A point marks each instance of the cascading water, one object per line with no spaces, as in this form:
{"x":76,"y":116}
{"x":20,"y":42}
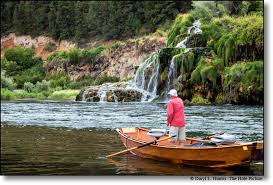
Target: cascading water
{"x":146,"y":79}
{"x":102,"y":94}
{"x":147,"y":84}
{"x":193,"y":30}
{"x":171,"y":75}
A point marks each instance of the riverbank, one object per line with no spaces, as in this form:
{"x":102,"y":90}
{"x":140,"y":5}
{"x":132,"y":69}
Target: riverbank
{"x":67,"y":94}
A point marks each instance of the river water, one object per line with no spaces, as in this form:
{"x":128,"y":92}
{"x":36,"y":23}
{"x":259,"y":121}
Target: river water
{"x":72,"y":138}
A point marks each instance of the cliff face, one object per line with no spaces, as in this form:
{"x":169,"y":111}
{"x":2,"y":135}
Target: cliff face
{"x":42,"y":45}
{"x":120,"y":61}
{"x":124,"y":60}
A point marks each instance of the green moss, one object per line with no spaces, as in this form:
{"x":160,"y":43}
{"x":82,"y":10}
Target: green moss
{"x":181,"y":24}
{"x":220,"y":99}
{"x":237,"y":38}
{"x":245,"y":74}
{"x":197,"y":99}
{"x":207,"y":70}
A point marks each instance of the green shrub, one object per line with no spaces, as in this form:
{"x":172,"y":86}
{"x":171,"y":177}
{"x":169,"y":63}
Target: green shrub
{"x":220,"y":99}
{"x":7,"y":82}
{"x":75,"y":55}
{"x":11,"y":67}
{"x":22,"y":56}
{"x":199,"y":100}
{"x":6,"y":94}
{"x":33,"y":75}
{"x":42,"y":86}
{"x":29,"y":87}
{"x":206,"y":10}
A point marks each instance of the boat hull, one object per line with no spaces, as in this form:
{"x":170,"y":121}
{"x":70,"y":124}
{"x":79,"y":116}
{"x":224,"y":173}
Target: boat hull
{"x":208,"y":156}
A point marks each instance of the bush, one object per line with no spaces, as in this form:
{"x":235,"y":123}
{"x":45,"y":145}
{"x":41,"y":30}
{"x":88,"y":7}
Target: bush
{"x":10,"y":67}
{"x":7,"y":82}
{"x":75,"y":56}
{"x":42,"y":86}
{"x":33,"y":75}
{"x":220,"y":99}
{"x":83,"y":82}
{"x":29,"y":87}
{"x":199,"y":100}
{"x":22,"y":56}
{"x":206,"y":10}
{"x":6,"y":94}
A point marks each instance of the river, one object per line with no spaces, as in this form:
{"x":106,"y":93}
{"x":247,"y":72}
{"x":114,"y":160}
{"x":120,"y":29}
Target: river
{"x":72,"y":138}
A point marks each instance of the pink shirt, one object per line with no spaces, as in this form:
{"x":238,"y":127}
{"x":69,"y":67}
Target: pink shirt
{"x":175,"y":112}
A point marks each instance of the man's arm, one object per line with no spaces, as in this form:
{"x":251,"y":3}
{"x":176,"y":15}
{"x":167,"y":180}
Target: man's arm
{"x":169,"y":113}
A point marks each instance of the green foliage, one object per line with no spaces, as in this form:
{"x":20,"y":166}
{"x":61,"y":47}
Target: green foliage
{"x":220,"y":99}
{"x":33,"y":75}
{"x":7,"y":82}
{"x":75,"y":20}
{"x":75,"y":56}
{"x":181,"y":24}
{"x":244,"y":74}
{"x":197,"y":99}
{"x":83,"y":82}
{"x":10,"y":67}
{"x":207,"y":10}
{"x":67,"y":94}
{"x":236,"y":39}
{"x":21,"y":64}
{"x":29,"y":87}
{"x":207,"y":70}
{"x":42,"y":86}
{"x":104,"y":78}
{"x":6,"y":94}
{"x":22,"y":56}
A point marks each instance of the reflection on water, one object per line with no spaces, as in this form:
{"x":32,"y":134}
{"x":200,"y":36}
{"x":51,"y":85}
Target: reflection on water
{"x":36,"y":150}
{"x":72,"y":138}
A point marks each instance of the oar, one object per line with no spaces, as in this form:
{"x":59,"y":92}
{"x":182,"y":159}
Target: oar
{"x":146,"y":144}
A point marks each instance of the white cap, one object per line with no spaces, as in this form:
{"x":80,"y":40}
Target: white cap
{"x":173,"y":92}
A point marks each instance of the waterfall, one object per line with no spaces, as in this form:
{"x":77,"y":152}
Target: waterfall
{"x":102,"y":94}
{"x":171,"y":75}
{"x":147,"y":83}
{"x":114,"y":95}
{"x":193,"y":30}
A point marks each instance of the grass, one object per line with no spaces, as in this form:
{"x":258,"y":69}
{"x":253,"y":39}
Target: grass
{"x":68,"y":94}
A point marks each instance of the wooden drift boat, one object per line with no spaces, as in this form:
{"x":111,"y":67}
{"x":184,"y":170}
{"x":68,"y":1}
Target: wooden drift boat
{"x":208,"y":156}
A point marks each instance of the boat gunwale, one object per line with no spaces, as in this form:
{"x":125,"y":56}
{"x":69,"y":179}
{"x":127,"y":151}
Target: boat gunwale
{"x":187,"y":147}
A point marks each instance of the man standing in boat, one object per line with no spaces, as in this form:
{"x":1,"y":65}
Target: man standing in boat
{"x":176,"y":117}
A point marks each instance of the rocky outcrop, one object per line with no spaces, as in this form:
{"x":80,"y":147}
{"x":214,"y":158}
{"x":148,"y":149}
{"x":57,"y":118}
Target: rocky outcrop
{"x":124,"y":60}
{"x":110,"y":92}
{"x":42,"y":45}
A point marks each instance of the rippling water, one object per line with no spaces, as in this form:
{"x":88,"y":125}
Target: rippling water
{"x":63,"y":138}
